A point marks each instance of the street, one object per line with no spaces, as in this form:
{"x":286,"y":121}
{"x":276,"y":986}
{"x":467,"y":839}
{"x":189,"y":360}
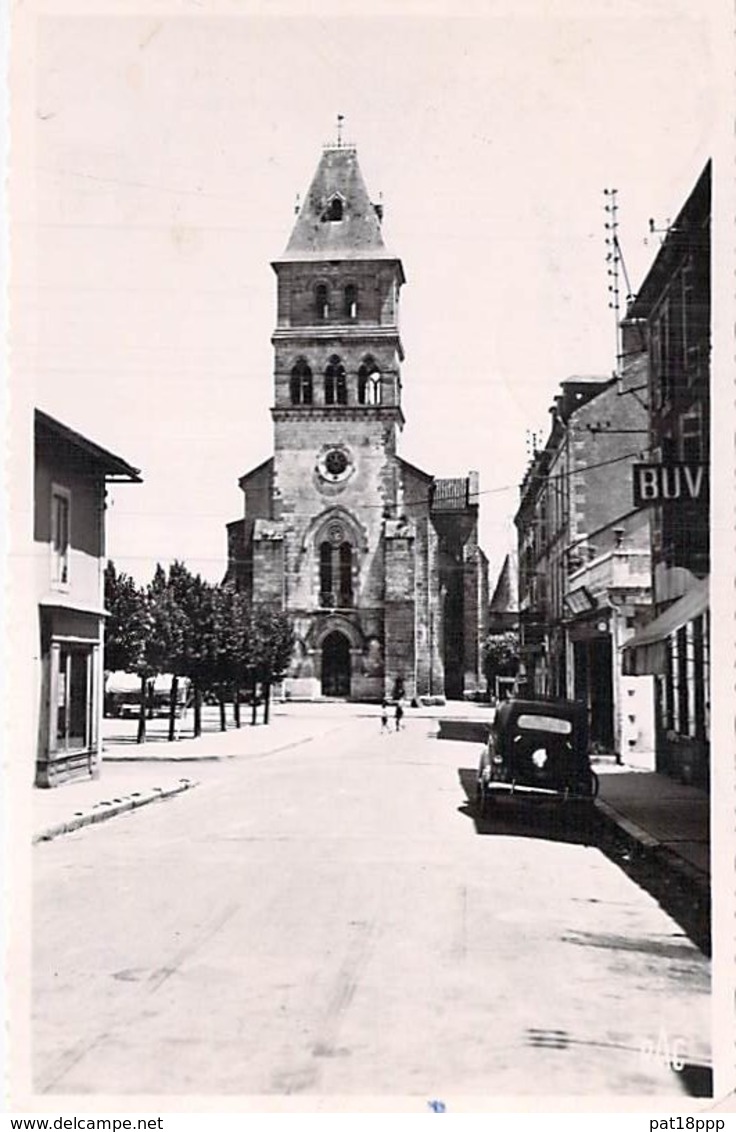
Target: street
{"x":330,"y":919}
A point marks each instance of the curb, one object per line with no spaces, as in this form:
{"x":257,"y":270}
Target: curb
{"x":634,"y":831}
{"x":105,"y":810}
{"x":666,"y":856}
{"x":249,"y":755}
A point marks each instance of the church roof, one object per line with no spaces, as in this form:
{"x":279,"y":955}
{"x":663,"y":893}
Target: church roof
{"x":337,"y":219}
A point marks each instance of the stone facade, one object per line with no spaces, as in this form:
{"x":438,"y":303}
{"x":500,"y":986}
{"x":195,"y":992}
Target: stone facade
{"x":376,"y":561}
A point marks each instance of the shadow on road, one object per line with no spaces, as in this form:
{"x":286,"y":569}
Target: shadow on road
{"x":687,"y":902}
{"x":572,"y":823}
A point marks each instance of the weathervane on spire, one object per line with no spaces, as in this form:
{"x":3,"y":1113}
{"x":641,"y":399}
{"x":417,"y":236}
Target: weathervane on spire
{"x":340,"y":120}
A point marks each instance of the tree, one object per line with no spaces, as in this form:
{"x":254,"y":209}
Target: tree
{"x":500,"y":656}
{"x":230,"y":634}
{"x":270,"y":646}
{"x":167,"y":637}
{"x":124,"y":625}
{"x":236,"y":643}
{"x":127,"y":632}
{"x":197,"y":647}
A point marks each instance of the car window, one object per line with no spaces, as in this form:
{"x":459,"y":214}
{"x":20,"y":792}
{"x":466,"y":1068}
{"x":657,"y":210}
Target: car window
{"x":544,"y":723}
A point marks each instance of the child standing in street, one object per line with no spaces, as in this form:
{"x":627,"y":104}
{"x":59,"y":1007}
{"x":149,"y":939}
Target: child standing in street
{"x":384,"y":717}
{"x":399,"y":714}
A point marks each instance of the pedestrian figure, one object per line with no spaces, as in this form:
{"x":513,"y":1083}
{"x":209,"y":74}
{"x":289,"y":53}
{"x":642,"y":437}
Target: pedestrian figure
{"x":399,"y":714}
{"x":384,"y":717}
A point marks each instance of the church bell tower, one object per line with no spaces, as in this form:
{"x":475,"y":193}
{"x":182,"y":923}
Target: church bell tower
{"x":366,"y":552}
{"x":336,"y":413}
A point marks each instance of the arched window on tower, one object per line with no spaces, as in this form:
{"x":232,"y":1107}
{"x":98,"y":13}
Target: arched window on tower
{"x":300,"y":386}
{"x":369,"y":383}
{"x":321,"y":302}
{"x":346,"y":574}
{"x":336,"y":388}
{"x":336,"y":573}
{"x":351,"y":301}
{"x":325,"y":574}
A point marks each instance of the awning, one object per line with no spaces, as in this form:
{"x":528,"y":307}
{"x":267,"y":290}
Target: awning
{"x":645,"y":652}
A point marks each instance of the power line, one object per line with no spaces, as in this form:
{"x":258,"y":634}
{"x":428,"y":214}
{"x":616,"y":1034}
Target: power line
{"x":423,"y":501}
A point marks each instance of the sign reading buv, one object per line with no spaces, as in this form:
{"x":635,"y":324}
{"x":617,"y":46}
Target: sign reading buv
{"x":670,"y":483}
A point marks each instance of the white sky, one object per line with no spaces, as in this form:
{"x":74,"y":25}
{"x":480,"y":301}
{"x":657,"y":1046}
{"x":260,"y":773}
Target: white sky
{"x":166,"y":155}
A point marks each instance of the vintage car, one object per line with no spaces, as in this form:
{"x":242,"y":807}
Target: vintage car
{"x":537,"y":750}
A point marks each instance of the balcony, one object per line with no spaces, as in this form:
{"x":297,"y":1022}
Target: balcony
{"x":615,"y":570}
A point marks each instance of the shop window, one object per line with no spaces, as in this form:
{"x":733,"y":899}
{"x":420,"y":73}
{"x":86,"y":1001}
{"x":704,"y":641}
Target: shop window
{"x":300,"y":386}
{"x":336,"y":390}
{"x":60,"y":534}
{"x":706,"y":676}
{"x":71,"y":703}
{"x":699,"y":677}
{"x":682,"y":683}
{"x":670,"y":699}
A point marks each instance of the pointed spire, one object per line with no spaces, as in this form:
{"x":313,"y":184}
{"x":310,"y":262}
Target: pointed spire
{"x":336,"y":219}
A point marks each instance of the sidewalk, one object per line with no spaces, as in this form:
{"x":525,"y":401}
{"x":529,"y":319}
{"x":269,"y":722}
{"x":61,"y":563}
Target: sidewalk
{"x":660,"y":814}
{"x":134,"y":775}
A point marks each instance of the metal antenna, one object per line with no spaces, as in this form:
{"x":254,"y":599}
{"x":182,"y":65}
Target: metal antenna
{"x":613,"y":258}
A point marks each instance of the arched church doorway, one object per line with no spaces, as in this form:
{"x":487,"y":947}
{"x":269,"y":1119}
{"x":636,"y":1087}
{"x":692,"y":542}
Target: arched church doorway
{"x":336,"y":665}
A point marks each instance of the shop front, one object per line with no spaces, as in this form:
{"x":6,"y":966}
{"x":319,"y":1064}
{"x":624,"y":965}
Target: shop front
{"x":675,"y":649}
{"x":70,"y":656}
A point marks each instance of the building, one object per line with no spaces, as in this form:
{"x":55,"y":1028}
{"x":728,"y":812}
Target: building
{"x":376,"y":560}
{"x":70,"y":474}
{"x":584,"y":557}
{"x":549,"y":519}
{"x":672,"y":488}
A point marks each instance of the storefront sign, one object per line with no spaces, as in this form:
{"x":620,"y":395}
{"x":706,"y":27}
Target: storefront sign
{"x":579,"y":601}
{"x":670,"y":483}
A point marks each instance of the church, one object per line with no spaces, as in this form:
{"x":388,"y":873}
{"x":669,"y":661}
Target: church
{"x":376,"y":561}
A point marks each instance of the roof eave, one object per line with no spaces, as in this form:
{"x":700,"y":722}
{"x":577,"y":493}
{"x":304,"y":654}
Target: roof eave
{"x":114,"y":468}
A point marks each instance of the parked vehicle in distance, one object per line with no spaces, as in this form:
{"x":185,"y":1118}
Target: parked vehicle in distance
{"x":537,"y":750}
{"x":123,"y":695}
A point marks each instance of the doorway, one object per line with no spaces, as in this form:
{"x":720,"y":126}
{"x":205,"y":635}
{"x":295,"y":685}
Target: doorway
{"x":336,"y":665}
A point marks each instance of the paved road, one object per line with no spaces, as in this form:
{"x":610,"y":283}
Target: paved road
{"x":330,"y":920}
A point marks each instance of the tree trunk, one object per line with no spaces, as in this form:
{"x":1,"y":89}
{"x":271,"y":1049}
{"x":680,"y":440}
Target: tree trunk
{"x":266,"y":700}
{"x":236,"y":705}
{"x":140,"y":738}
{"x":221,"y":698}
{"x":173,"y":697}
{"x":197,"y":711}
{"x":254,"y":704}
